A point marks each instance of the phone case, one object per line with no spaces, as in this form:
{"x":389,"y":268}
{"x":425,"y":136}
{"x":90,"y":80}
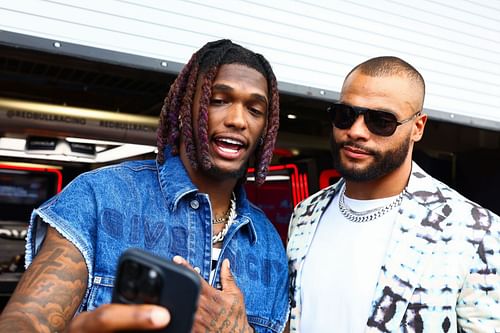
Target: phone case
{"x":144,"y":278}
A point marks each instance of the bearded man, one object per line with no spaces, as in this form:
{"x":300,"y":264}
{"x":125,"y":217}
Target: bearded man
{"x":389,"y":248}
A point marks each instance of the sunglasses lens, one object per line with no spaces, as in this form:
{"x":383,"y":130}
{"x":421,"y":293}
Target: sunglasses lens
{"x":381,"y":123}
{"x":342,"y":116}
{"x":378,"y":122}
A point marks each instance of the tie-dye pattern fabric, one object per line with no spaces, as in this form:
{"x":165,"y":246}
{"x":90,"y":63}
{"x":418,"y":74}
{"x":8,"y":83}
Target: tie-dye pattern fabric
{"x":442,"y":270}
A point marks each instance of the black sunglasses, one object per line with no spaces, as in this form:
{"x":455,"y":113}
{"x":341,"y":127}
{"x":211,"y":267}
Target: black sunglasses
{"x":381,"y":123}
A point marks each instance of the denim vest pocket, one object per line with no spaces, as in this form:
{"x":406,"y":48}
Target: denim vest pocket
{"x":100,"y":292}
{"x":262,"y":324}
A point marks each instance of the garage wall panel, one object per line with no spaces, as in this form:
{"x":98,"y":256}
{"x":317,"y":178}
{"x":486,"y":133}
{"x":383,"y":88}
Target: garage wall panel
{"x":311,"y":44}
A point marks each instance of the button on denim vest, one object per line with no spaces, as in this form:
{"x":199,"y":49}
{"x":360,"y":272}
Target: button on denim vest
{"x":157,"y":208}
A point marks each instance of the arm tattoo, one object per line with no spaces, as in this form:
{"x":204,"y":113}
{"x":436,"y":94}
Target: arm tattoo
{"x":50,"y":291}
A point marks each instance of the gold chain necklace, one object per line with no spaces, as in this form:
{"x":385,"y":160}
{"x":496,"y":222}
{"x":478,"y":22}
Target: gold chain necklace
{"x":221,"y":219}
{"x":231,"y":215}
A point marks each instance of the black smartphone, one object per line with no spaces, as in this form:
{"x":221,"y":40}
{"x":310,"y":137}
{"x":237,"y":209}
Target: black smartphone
{"x":144,"y":278}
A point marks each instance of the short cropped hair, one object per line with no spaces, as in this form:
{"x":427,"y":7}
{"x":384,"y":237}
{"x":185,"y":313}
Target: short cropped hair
{"x":389,"y":66}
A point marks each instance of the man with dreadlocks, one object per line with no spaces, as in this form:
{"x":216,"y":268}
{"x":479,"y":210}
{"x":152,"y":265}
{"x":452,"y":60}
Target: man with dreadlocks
{"x":189,"y":205}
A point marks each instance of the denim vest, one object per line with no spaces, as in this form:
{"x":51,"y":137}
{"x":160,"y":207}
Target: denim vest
{"x":157,"y":208}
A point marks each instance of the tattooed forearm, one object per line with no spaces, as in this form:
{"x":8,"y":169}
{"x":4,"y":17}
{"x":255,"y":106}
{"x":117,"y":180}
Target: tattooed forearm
{"x":50,"y":291}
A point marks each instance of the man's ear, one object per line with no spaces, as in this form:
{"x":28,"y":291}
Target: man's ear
{"x":418,"y":127}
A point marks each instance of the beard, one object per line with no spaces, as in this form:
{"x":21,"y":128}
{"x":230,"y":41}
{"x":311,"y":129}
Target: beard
{"x":221,"y":174}
{"x":383,"y":164}
{"x":212,"y":170}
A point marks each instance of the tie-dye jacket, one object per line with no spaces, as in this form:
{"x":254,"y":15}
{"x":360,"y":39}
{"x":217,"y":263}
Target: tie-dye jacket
{"x":442,"y":268}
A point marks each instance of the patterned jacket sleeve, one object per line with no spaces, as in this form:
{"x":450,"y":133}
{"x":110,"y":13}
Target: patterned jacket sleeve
{"x":478,"y":304}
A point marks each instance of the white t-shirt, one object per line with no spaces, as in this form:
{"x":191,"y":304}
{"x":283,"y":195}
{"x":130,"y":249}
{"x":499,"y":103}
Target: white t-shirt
{"x":215,"y":258}
{"x":342,"y":266}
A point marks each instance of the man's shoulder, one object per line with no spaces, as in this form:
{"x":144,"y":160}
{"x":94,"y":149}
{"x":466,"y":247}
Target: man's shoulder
{"x":322,"y":196}
{"x":117,"y":170}
{"x":104,"y":178}
{"x":258,"y":216}
{"x":424,"y":187}
{"x":307,"y":213}
{"x":443,"y":199}
{"x":128,"y":166}
{"x":256,"y":211}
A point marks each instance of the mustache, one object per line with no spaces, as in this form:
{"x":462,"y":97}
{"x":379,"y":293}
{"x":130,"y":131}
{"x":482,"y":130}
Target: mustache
{"x":356,"y":145}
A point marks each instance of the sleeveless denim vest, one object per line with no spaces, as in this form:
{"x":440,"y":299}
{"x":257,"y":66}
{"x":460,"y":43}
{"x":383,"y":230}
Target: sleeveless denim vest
{"x":157,"y":208}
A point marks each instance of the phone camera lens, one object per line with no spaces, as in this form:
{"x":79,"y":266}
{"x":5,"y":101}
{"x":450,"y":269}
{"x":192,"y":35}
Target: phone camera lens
{"x":128,"y":289}
{"x":131,"y":269}
{"x":151,"y":287}
{"x":128,"y":284}
{"x":153,"y":275}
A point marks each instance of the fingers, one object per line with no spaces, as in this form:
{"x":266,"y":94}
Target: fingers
{"x":226,"y":277}
{"x":183,"y":262}
{"x":114,"y":317}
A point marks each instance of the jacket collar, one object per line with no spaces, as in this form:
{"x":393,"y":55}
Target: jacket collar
{"x":174,"y":179}
{"x":175,"y":184}
{"x":422,"y":189}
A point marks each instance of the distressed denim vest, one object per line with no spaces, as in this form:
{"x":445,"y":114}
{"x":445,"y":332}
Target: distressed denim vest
{"x":157,"y":208}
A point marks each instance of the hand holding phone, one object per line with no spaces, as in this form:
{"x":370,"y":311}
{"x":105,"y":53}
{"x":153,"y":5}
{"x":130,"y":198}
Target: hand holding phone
{"x":220,"y":310}
{"x":144,"y":278}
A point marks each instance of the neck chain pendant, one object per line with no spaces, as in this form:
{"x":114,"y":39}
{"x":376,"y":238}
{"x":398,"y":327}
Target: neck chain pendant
{"x":231,"y":215}
{"x":367,"y":215}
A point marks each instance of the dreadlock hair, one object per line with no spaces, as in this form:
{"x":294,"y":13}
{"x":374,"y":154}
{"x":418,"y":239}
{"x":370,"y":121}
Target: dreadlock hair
{"x":176,"y":113}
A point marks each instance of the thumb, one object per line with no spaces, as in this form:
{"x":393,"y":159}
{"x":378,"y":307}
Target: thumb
{"x":227,"y":278}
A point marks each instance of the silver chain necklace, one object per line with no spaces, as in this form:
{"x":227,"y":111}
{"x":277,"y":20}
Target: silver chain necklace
{"x":366,"y":215}
{"x":230,"y":220}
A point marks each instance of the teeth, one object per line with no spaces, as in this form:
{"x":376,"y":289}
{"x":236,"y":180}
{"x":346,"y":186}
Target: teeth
{"x":231,"y":141}
{"x":227,"y":150}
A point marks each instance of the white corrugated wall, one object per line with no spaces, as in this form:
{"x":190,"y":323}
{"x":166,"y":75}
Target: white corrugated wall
{"x":455,"y":44}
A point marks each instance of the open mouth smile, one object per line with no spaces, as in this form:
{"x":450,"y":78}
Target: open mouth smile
{"x":229,"y":147}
